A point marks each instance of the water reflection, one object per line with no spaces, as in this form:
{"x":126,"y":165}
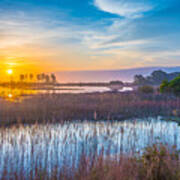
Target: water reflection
{"x":25,"y":149}
{"x":18,"y":94}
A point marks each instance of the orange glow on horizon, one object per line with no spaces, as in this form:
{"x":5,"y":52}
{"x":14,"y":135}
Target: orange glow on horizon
{"x":15,"y":68}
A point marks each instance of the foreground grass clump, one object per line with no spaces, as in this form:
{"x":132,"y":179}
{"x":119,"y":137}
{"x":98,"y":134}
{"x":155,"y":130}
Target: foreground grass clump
{"x":95,"y":106}
{"x":156,"y":163}
{"x":86,"y":149}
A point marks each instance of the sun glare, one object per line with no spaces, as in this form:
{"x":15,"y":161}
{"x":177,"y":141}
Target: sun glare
{"x":10,"y":95}
{"x":10,"y":71}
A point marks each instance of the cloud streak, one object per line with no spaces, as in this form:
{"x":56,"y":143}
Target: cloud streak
{"x":109,"y":42}
{"x":128,"y":8}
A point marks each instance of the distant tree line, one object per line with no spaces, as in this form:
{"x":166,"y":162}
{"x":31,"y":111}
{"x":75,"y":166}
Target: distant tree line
{"x":155,"y":78}
{"x":46,"y":78}
{"x":116,"y":83}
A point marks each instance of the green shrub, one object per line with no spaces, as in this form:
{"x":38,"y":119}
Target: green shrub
{"x":164,"y":87}
{"x":172,"y":86}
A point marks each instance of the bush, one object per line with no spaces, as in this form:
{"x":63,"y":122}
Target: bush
{"x":175,"y":85}
{"x":172,"y":86}
{"x":164,"y":87}
{"x":157,"y":163}
{"x":146,"y":89}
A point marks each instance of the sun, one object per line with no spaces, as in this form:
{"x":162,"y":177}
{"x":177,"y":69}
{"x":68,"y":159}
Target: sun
{"x":10,"y":95}
{"x":10,"y":71}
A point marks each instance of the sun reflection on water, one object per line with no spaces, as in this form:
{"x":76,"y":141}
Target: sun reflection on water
{"x":15,"y":94}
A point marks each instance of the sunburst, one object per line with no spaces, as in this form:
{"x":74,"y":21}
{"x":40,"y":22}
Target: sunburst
{"x":10,"y":71}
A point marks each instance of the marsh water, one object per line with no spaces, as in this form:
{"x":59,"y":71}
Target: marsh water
{"x":46,"y":147}
{"x":15,"y":94}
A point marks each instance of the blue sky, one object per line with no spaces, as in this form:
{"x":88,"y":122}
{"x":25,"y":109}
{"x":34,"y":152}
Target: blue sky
{"x":90,"y":34}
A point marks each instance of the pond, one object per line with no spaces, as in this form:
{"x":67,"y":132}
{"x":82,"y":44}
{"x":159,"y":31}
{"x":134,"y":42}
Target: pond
{"x":27,"y":148}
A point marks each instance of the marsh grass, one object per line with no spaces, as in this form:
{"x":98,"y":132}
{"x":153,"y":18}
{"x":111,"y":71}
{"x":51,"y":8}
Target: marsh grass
{"x":52,"y":108}
{"x":86,"y":150}
{"x":48,"y":137}
{"x":158,"y":162}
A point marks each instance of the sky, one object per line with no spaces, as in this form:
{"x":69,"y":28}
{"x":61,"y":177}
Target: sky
{"x":60,"y":35}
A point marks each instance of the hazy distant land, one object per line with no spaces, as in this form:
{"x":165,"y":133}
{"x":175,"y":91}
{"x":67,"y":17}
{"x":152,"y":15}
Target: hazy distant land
{"x":125,"y":75}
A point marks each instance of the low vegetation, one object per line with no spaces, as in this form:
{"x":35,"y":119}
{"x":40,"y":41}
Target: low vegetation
{"x":158,"y":162}
{"x":41,"y":152}
{"x":46,"y":108}
{"x":146,"y":89}
{"x":171,"y":86}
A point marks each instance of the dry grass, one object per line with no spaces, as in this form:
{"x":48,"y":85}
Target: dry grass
{"x":156,"y":163}
{"x":89,"y":150}
{"x":22,"y":147}
{"x":95,"y":106}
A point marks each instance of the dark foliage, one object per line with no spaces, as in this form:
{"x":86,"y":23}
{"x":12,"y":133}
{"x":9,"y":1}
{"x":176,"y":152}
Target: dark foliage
{"x":155,"y":78}
{"x":172,"y":86}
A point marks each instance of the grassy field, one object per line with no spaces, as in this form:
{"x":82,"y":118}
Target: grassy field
{"x":95,"y":106}
{"x":31,"y":151}
{"x":158,"y":162}
{"x":88,"y":150}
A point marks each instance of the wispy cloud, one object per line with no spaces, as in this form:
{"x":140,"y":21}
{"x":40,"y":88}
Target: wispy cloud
{"x":128,"y":8}
{"x":109,"y":42}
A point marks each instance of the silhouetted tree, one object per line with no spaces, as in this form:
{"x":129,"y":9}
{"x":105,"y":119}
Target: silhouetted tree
{"x":47,"y":78}
{"x":21,"y":77}
{"x":38,"y":77}
{"x":53,"y":77}
{"x":117,"y":82}
{"x":139,"y":80}
{"x":156,"y":78}
{"x":26,"y":77}
{"x":31,"y":76}
{"x":43,"y":75}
